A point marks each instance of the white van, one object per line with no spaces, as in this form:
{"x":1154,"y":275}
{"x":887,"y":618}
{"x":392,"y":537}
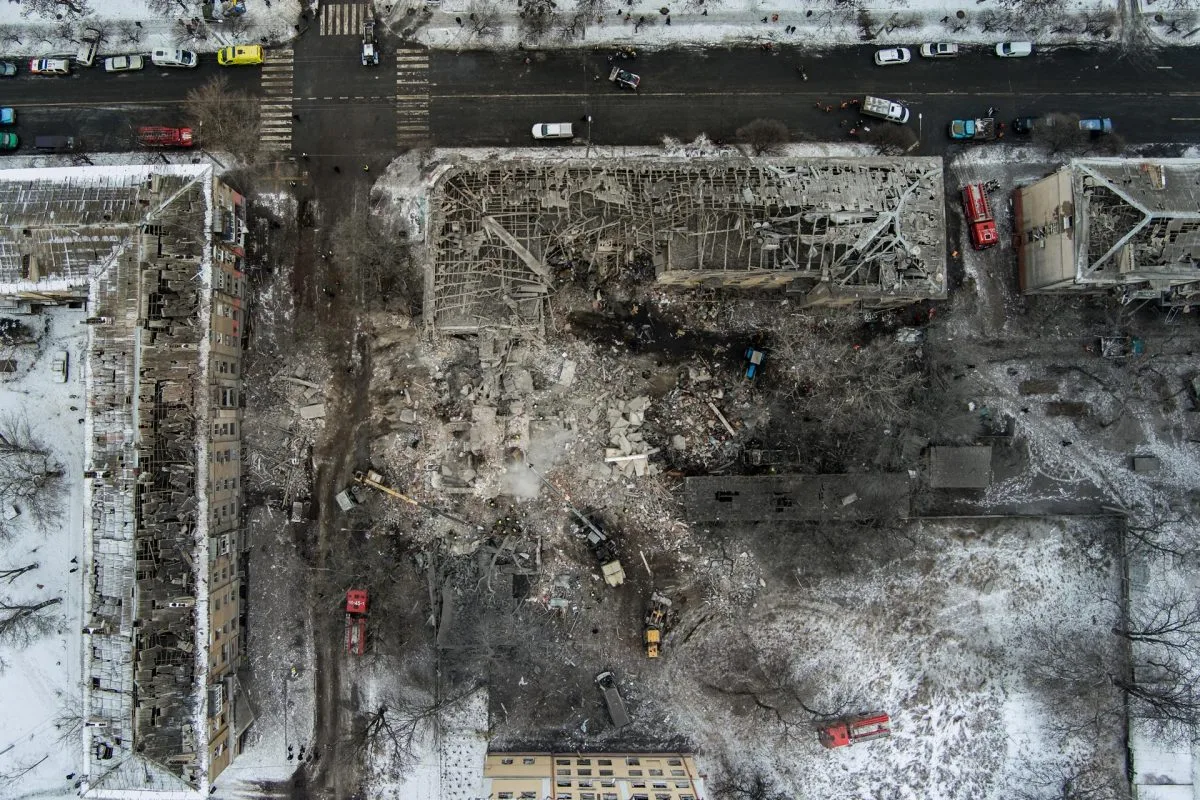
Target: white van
{"x":174,"y":58}
{"x":89,"y":44}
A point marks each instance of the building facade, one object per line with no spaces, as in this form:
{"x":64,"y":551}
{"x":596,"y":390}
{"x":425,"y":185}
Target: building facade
{"x":154,"y":259}
{"x":592,"y":776}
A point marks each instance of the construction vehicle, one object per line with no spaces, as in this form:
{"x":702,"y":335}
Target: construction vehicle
{"x":347,"y":498}
{"x":980,"y":222}
{"x":754,"y":360}
{"x":656,"y":624}
{"x":607,"y":682}
{"x":855,"y":729}
{"x":370,"y":50}
{"x":599,"y":542}
{"x":978,"y":129}
{"x":356,"y":621}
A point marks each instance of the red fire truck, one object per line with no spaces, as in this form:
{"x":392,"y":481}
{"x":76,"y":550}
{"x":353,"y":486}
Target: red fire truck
{"x":356,"y":621}
{"x":159,"y":136}
{"x":856,"y":729}
{"x":980,"y":223}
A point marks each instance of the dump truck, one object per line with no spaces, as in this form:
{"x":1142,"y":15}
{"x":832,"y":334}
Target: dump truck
{"x":980,"y":223}
{"x":604,"y":549}
{"x":656,"y":624}
{"x":356,"y":621}
{"x":885,"y":109}
{"x":855,"y":729}
{"x":979,"y":129}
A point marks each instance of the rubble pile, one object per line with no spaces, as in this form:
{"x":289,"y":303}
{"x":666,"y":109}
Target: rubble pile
{"x":629,"y":453}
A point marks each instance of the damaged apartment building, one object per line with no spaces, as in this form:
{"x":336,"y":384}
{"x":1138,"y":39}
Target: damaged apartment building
{"x":153,"y":258}
{"x":867,"y":232}
{"x":1129,"y":225}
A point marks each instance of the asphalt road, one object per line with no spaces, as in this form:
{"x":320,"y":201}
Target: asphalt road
{"x":345,"y":112}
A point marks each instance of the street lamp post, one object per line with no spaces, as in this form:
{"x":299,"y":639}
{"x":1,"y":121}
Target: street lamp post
{"x":920,"y":128}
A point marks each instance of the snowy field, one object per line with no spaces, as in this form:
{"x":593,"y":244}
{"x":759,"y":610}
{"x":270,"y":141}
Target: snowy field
{"x":944,"y":625}
{"x":40,"y":682}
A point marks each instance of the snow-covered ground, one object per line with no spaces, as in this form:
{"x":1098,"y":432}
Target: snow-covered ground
{"x":39,"y":684}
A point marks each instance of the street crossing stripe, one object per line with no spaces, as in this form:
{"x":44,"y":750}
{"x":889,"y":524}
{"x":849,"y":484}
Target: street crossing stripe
{"x":343,"y":19}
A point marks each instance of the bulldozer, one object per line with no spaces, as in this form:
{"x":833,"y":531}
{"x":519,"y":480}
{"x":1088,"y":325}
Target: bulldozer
{"x":656,"y":624}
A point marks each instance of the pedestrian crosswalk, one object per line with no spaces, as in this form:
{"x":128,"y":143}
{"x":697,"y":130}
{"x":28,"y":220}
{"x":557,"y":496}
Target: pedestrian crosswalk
{"x":412,"y":97}
{"x":276,"y":100}
{"x":343,"y":19}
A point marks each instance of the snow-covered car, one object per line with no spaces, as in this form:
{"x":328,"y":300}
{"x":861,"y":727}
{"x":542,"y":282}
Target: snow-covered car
{"x":8,"y":116}
{"x":553,"y":130}
{"x":89,"y":45}
{"x":174,"y":58}
{"x":123,"y":63}
{"x":939,"y":50}
{"x":7,"y":69}
{"x":624,"y":78}
{"x":1014,"y":49}
{"x":50,"y":66}
{"x":892,"y":55}
{"x":58,"y":366}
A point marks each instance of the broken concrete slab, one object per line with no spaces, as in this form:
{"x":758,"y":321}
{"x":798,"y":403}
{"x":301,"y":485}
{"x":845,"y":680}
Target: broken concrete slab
{"x":314,"y":411}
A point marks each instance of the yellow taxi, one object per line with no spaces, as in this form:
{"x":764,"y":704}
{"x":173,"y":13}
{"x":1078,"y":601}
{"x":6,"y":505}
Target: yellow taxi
{"x":240,"y":55}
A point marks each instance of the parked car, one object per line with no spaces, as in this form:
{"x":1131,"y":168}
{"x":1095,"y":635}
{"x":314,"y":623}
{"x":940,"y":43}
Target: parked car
{"x":554,"y":130}
{"x":1023,"y":125}
{"x":1014,"y":49}
{"x":174,"y":58}
{"x":50,"y":66}
{"x":241,"y":55}
{"x":8,"y":116}
{"x":123,"y":63}
{"x":939,"y":50}
{"x":1097,"y":126}
{"x":8,"y":141}
{"x":58,"y":366}
{"x":624,"y":78}
{"x":7,"y":69}
{"x":892,"y":55}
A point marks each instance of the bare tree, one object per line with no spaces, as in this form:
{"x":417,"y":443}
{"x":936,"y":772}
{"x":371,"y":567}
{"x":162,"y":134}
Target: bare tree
{"x":20,"y":623}
{"x":1163,"y":681}
{"x":538,"y":17}
{"x":764,"y":136}
{"x":573,"y":26}
{"x":483,"y":18}
{"x":397,"y":724}
{"x":10,"y":36}
{"x":226,"y":117}
{"x":27,"y":467}
{"x":56,"y":8}
{"x":374,"y":259}
{"x":744,"y":784}
{"x":130,"y":32}
{"x":1071,"y":780}
{"x":891,"y":140}
{"x":169,"y":7}
{"x":1059,"y":133}
{"x":12,"y":573}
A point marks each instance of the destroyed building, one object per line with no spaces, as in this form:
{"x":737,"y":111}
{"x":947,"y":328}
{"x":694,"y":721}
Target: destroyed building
{"x":153,"y":258}
{"x":830,"y":231}
{"x":1126,"y":224}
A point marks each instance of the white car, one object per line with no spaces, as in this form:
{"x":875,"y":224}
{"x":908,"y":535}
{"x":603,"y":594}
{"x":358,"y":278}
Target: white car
{"x":939,"y":50}
{"x":50,"y":66}
{"x":58,"y":366}
{"x":892,"y":55}
{"x":123,"y":63}
{"x":1014,"y":49}
{"x":553,"y":130}
{"x":174,"y":58}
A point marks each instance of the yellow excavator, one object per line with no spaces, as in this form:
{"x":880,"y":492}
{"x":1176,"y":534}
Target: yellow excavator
{"x":656,"y":624}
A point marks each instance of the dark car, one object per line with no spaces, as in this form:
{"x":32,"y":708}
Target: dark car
{"x":1024,"y":125}
{"x":7,"y":69}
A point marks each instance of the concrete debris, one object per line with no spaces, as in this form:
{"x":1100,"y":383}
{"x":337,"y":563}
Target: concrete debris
{"x":629,"y":453}
{"x":408,"y":416}
{"x":314,"y":411}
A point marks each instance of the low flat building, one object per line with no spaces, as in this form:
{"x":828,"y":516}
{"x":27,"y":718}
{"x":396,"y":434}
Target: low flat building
{"x":1130,"y":225}
{"x":798,"y":498}
{"x":152,"y":256}
{"x":592,"y":776}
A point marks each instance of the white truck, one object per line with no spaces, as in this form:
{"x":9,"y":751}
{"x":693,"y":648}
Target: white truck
{"x":885,"y":109}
